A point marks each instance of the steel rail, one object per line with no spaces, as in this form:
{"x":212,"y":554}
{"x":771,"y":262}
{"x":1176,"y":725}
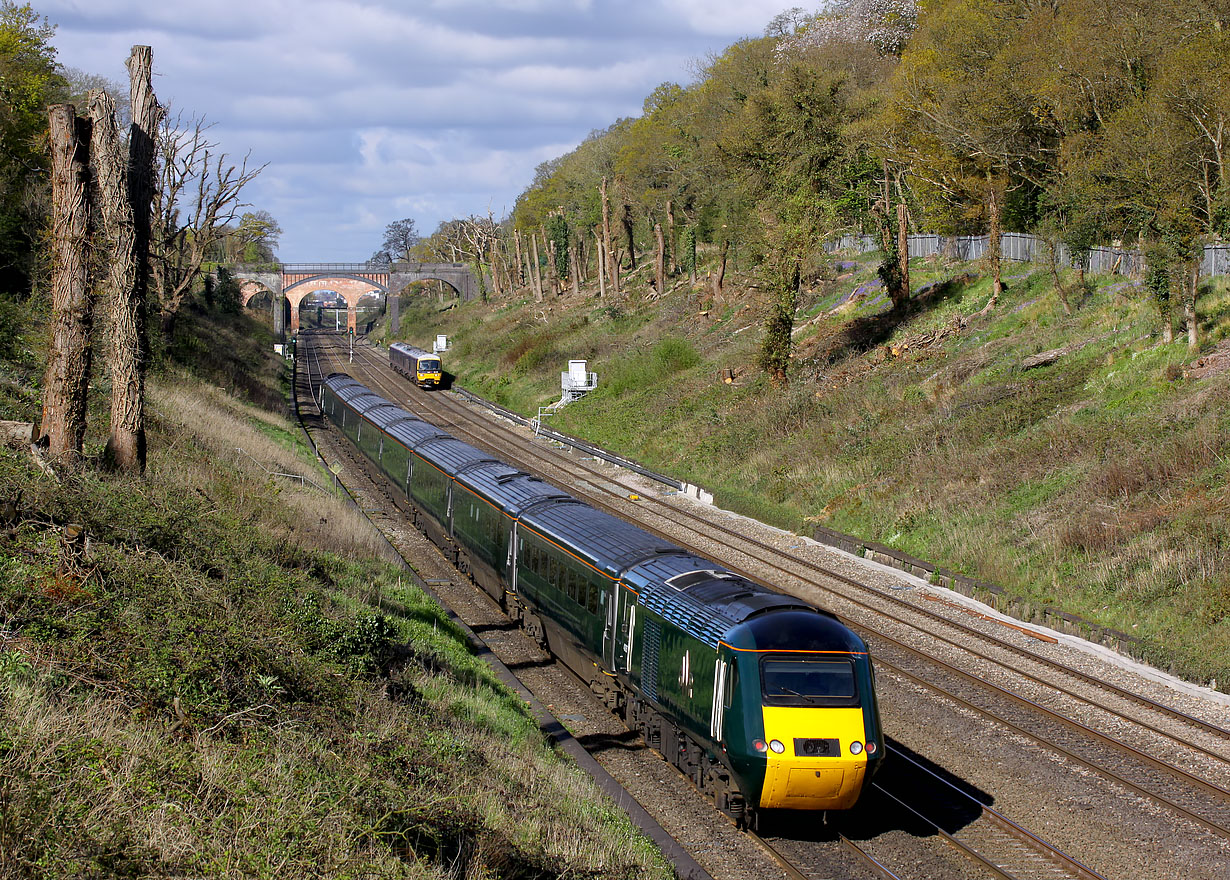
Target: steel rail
{"x":1000,"y":820}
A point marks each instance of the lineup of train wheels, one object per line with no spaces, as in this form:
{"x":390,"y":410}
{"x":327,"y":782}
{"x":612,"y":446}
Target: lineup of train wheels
{"x":764,"y":701}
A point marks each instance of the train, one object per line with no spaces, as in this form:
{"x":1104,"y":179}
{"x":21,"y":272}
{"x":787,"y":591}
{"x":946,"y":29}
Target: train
{"x":765,"y":701}
{"x":421,"y":367}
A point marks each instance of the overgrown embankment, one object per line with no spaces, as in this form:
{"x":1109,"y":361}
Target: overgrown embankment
{"x":201,"y":682}
{"x":1095,"y":483}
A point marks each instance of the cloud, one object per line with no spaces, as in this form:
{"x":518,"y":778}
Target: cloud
{"x":367,"y":111}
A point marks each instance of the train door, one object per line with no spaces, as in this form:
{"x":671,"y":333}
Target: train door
{"x":608,"y":629}
{"x":721,"y":699}
{"x":512,"y":560}
{"x":623,"y":609}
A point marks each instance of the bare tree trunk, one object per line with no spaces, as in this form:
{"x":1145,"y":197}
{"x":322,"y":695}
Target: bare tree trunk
{"x":601,"y":260}
{"x":612,"y":265}
{"x":553,"y":279}
{"x":661,"y":261}
{"x":629,"y":231}
{"x":720,"y":277}
{"x":1189,"y":310}
{"x":528,"y":271}
{"x":537,"y":273}
{"x":574,"y":261}
{"x":903,"y":249}
{"x":520,"y":269}
{"x":672,"y":238}
{"x":67,"y":380}
{"x":126,"y":445}
{"x":495,"y":269}
{"x":1052,"y":250}
{"x":994,"y":253}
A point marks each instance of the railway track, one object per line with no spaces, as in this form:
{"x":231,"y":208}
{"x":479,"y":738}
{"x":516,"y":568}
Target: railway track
{"x":1191,"y":783}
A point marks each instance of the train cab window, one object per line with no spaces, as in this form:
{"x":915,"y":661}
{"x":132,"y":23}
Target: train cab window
{"x":791,"y":682}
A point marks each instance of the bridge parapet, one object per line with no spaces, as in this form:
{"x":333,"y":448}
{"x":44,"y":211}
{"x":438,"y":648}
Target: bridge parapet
{"x":280,"y":278}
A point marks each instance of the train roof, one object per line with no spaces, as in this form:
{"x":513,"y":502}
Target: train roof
{"x":363,"y":402}
{"x":704,"y":598}
{"x":511,"y":489}
{"x":414,"y":431}
{"x":339,"y":381}
{"x":450,"y":454}
{"x":610,"y":543}
{"x":388,"y":415}
{"x":411,"y":350}
{"x":796,"y":629}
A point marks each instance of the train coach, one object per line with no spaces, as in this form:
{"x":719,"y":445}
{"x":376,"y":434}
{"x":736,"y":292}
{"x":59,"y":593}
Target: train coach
{"x":421,"y":367}
{"x":763,"y":700}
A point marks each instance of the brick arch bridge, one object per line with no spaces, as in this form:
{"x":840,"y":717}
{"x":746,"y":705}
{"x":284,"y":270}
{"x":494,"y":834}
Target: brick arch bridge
{"x":291,"y":283}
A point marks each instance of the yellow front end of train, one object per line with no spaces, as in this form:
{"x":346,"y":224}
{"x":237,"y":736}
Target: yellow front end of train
{"x":816,"y":758}
{"x":428,"y":372}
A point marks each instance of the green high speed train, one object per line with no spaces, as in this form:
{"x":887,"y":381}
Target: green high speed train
{"x":765,"y":701}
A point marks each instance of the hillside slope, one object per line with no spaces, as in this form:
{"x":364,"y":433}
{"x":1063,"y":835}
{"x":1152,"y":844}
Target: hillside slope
{"x":1095,"y":482}
{"x":210,"y":671}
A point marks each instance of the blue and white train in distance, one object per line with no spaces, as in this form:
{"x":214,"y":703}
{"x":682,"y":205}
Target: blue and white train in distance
{"x":765,"y":701}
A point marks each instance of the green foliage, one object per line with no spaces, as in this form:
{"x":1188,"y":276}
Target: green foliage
{"x":558,"y":235}
{"x":29,"y":82}
{"x":889,"y":269}
{"x":639,"y":371}
{"x":774,"y":356}
{"x":687,"y":250}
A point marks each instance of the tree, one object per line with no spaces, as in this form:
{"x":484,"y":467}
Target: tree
{"x":29,"y":83}
{"x":400,"y":239}
{"x":255,"y":239}
{"x":971,"y":125}
{"x":67,"y":379}
{"x":123,"y":192}
{"x":197,"y":197}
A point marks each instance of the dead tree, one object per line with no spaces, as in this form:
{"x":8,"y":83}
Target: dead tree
{"x":62,"y":428}
{"x":629,"y":226}
{"x":574,"y":263}
{"x":994,"y":248}
{"x":601,"y":258}
{"x":661,"y":263}
{"x":125,"y":195}
{"x":903,"y":248}
{"x":537,"y":269}
{"x":672,"y":238}
{"x":197,"y":199}
{"x":612,"y":264}
{"x":520,"y":280}
{"x":720,"y":278}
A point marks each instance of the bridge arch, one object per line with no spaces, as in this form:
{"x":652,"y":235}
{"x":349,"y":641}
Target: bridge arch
{"x":250,"y":290}
{"x":350,"y":287}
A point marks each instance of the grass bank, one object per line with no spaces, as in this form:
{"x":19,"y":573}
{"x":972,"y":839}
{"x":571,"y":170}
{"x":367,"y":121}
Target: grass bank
{"x":203,"y":685}
{"x":1095,"y":483}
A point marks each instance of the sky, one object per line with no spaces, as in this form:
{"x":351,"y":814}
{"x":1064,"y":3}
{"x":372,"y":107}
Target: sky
{"x":369,"y":112}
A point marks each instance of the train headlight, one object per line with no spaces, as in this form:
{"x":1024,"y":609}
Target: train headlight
{"x":760,"y":746}
{"x":871,"y":748}
{"x":856,"y":747}
{"x":777,"y":746}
